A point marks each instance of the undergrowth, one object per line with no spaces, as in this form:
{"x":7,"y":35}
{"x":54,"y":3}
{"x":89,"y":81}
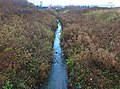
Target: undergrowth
{"x":90,"y":40}
{"x":26,"y":37}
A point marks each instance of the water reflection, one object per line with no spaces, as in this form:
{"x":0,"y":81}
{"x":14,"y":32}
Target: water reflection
{"x":58,"y":74}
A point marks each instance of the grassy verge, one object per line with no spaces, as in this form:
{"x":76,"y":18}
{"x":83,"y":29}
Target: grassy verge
{"x":90,"y":40}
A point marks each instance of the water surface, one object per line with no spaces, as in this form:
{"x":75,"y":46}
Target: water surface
{"x":58,"y":75}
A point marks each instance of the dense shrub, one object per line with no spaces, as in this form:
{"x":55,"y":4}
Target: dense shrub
{"x":26,"y":39}
{"x":91,"y":43}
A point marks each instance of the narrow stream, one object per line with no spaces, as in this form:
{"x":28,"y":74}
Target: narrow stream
{"x":58,"y":75}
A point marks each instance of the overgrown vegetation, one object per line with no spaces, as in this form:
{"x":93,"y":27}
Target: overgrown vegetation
{"x":26,"y":38}
{"x":91,"y":42}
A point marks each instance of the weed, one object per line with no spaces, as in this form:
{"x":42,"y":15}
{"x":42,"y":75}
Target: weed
{"x":90,"y":42}
{"x":9,"y":85}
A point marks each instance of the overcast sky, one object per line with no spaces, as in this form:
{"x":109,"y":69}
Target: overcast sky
{"x":76,"y":2}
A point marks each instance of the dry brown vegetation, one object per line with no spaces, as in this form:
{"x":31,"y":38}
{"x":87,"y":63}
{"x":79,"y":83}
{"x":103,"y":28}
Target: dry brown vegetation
{"x":26,"y":37}
{"x":91,"y":42}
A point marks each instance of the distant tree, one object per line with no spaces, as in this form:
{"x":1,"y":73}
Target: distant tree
{"x":10,"y":5}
